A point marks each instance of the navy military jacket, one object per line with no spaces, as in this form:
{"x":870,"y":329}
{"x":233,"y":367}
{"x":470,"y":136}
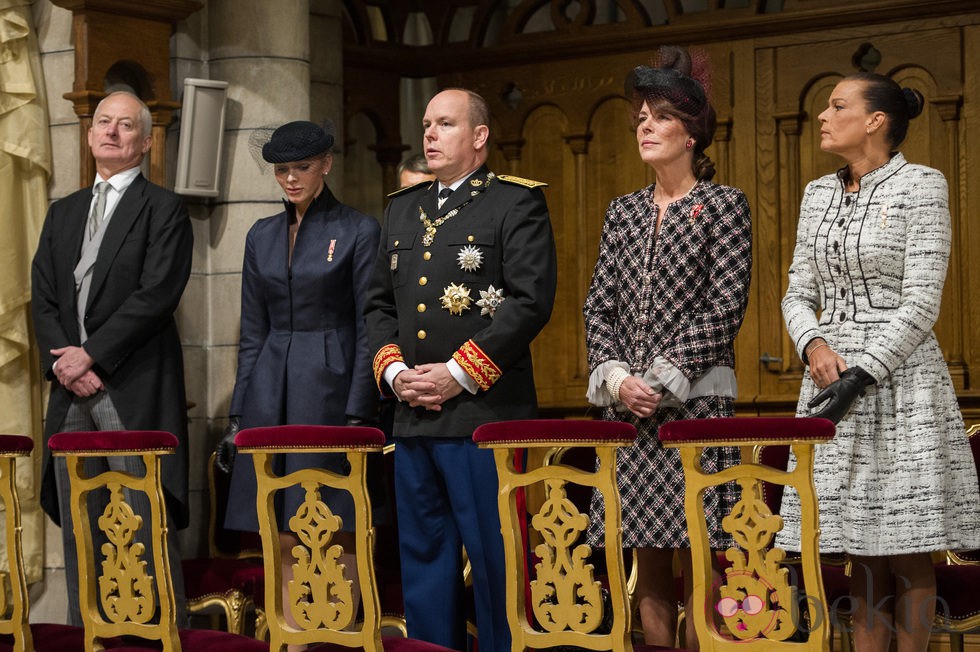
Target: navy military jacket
{"x":473,"y":281}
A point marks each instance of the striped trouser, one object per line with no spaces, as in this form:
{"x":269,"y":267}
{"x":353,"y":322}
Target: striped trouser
{"x":98,"y":413}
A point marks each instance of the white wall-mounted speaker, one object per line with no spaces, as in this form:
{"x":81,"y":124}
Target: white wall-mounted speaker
{"x":202,"y":128}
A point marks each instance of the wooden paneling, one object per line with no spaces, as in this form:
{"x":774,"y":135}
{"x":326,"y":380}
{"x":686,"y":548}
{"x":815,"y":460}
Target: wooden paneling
{"x":544,"y":151}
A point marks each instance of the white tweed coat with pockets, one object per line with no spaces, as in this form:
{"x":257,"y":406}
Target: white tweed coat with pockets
{"x":867,"y":276}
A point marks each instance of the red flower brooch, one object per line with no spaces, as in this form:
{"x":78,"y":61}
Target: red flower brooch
{"x":695,"y":211}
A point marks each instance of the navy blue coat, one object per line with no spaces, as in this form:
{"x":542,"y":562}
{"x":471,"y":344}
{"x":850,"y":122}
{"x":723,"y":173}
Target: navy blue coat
{"x":303,"y":351}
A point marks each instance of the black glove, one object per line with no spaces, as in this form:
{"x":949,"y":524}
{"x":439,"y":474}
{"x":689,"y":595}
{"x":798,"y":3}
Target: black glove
{"x":226,"y":450}
{"x":359,"y":421}
{"x":842,"y":393}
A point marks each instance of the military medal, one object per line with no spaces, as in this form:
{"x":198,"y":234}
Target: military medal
{"x":456,"y":298}
{"x":333,"y":244}
{"x":394,"y":262}
{"x":470,"y":258}
{"x":430,"y":234}
{"x":432,"y":225}
{"x":490,"y":300}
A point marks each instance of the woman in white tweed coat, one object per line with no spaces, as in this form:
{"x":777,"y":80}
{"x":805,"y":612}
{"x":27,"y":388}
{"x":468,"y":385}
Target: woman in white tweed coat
{"x":667,"y":298}
{"x":898,"y":481}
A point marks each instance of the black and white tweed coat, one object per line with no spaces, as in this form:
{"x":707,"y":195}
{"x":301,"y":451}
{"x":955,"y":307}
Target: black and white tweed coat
{"x":867,"y":276}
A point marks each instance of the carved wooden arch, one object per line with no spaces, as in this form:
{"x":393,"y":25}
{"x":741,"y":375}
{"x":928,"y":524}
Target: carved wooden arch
{"x":599,"y":103}
{"x":636,"y":17}
{"x":356,"y":24}
{"x":364,"y":94}
{"x":514,"y":19}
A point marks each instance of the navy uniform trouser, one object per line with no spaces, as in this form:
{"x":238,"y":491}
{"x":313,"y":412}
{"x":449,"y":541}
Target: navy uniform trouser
{"x":446,"y":494}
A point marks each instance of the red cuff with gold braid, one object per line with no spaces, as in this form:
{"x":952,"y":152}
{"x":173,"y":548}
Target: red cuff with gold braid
{"x":385,"y":356}
{"x":477,"y":364}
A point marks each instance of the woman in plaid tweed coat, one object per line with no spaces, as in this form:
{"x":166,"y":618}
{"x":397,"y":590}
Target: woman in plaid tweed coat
{"x":667,"y":298}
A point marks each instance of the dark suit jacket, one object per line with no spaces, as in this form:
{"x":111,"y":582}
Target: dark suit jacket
{"x":508,"y":224}
{"x":303,"y":353}
{"x":140,"y":273}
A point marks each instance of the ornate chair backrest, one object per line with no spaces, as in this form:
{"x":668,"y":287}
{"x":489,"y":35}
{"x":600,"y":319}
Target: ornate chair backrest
{"x":222,"y":542}
{"x":756,"y":599}
{"x":320,"y":597}
{"x":969,"y":556}
{"x":566,"y":600}
{"x":13,"y":585}
{"x":126,"y":598}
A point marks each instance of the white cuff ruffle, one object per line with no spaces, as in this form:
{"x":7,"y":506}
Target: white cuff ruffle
{"x":598,"y":394}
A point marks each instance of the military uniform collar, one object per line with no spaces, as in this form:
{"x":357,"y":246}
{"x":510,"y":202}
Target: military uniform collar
{"x":465,"y":190}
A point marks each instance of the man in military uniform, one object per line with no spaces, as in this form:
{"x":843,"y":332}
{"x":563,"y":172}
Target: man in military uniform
{"x":465,"y":280}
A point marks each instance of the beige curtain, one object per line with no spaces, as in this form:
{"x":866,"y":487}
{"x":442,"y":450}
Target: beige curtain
{"x":25,"y":167}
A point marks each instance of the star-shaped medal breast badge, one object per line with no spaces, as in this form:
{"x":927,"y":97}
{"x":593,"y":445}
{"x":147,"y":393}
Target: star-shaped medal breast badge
{"x":469,"y":258}
{"x":490,"y":299}
{"x":456,"y":298}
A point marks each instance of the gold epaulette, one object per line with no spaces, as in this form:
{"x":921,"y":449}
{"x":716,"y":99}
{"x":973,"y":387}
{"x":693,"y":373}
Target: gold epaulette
{"x":521,"y":181}
{"x":412,"y":187}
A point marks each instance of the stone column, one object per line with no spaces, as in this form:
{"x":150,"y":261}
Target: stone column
{"x":326,"y":39}
{"x":263,"y":50}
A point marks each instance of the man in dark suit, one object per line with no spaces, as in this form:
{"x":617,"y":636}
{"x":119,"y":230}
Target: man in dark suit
{"x":108,"y":274}
{"x":465,"y":279}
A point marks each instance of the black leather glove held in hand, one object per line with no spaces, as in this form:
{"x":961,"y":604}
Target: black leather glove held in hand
{"x":226,"y":450}
{"x":841,"y":394}
{"x":359,"y":421}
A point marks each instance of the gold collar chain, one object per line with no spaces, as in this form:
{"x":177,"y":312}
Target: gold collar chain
{"x":432,"y":225}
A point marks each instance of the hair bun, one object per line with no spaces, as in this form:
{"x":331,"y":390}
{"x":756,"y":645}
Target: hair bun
{"x":674,"y":58}
{"x":913,"y":101}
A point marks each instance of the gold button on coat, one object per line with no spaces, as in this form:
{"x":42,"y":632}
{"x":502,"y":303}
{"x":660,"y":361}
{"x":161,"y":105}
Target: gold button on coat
{"x":423,"y":281}
{"x":427,"y":255}
{"x":396,"y":243}
{"x":470,"y":238}
{"x":421,"y":335}
{"x":421,"y":307}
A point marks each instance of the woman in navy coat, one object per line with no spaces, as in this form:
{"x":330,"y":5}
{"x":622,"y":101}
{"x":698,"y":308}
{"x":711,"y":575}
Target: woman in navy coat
{"x":303,"y":354}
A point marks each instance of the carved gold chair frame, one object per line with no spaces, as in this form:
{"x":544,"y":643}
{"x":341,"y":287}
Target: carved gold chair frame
{"x":234,"y":603}
{"x":320,"y":595}
{"x":958,"y":628}
{"x":566,"y":601}
{"x":126,"y":598}
{"x":755,"y":599}
{"x":13,"y":584}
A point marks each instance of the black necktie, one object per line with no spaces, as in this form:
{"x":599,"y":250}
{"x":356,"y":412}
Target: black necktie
{"x":444,"y":193}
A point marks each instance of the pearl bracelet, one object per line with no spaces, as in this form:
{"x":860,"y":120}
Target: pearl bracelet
{"x":615,"y":381}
